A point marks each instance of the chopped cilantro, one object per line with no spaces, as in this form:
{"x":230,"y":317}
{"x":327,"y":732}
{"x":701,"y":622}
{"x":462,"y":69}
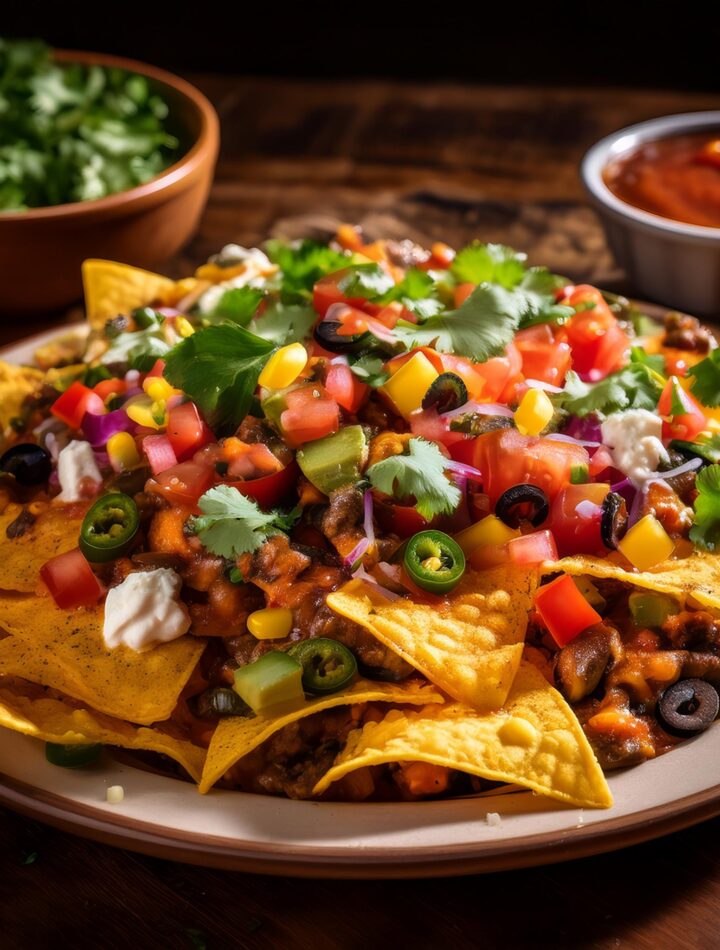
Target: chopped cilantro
{"x":706,"y":530}
{"x":417,"y":292}
{"x":238,"y":305}
{"x":420,"y":473}
{"x":282,"y":324}
{"x":494,"y":263}
{"x":365,"y":280}
{"x":301,"y":265}
{"x":218,"y":368}
{"x":633,"y":387}
{"x":232,"y":524}
{"x":139,"y":349}
{"x":706,"y":380}
{"x":655,"y":361}
{"x":369,"y":369}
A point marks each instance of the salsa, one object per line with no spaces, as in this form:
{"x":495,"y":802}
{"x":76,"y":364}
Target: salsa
{"x":676,"y":177}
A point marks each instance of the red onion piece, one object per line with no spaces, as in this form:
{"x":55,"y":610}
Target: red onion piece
{"x":688,"y":466}
{"x":588,"y":509}
{"x":362,"y":575}
{"x":483,"y":408}
{"x":467,"y":471}
{"x":357,"y":552}
{"x":160,"y":453}
{"x":636,"y":507}
{"x":562,"y":437}
{"x":368,"y":525}
{"x":546,"y":387}
{"x":99,"y":428}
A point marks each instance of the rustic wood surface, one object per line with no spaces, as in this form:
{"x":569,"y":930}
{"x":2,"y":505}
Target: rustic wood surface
{"x":448,"y":162}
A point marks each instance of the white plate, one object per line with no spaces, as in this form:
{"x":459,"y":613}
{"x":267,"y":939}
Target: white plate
{"x":169,"y":818}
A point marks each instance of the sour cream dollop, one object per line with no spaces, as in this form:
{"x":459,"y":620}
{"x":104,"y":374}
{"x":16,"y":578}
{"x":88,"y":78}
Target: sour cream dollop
{"x":145,"y":610}
{"x":76,"y":462}
{"x":635,"y":443}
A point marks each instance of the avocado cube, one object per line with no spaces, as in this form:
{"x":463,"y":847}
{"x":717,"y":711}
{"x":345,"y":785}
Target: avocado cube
{"x":271,"y":684}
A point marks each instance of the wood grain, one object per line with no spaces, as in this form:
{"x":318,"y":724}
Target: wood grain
{"x":441,"y":161}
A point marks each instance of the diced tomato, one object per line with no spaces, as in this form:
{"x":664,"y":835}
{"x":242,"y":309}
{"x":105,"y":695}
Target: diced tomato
{"x":109,"y":387}
{"x":158,"y":368}
{"x":187,"y":430}
{"x":462,"y":292}
{"x":311,"y":414}
{"x":599,"y":345}
{"x":345,"y":387}
{"x":463,"y":451}
{"x":183,"y":484}
{"x":681,"y":425}
{"x":507,"y":458}
{"x":71,"y":581}
{"x":72,"y":405}
{"x":564,"y":610}
{"x":578,"y":532}
{"x":532,"y":548}
{"x":428,"y":424}
{"x":543,"y":356}
{"x":442,"y":256}
{"x":354,"y":321}
{"x":326,"y":292}
{"x":269,"y":490}
{"x":499,"y":373}
{"x":401,"y":520}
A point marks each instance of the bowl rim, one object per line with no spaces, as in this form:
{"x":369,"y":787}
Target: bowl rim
{"x":184,"y":166}
{"x":611,"y":146}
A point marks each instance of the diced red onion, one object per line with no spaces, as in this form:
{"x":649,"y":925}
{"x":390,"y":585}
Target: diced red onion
{"x":160,"y":453}
{"x":467,"y":471}
{"x":626,"y":489}
{"x":52,"y":445}
{"x":636,"y":507}
{"x":539,"y":384}
{"x":99,"y":428}
{"x":362,"y":575}
{"x":482,"y":408}
{"x":102,"y":460}
{"x":168,"y":311}
{"x":132,"y":377}
{"x":588,"y":509}
{"x":357,"y":552}
{"x":563,"y":437}
{"x":584,"y":429}
{"x":368,"y":525}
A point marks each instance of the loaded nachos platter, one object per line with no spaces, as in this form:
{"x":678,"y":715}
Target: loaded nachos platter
{"x":362,"y":522}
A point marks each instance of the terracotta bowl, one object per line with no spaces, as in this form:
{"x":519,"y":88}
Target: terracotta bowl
{"x":41,"y":250}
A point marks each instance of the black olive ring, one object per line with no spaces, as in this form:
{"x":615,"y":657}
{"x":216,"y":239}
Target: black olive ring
{"x":326,"y":334}
{"x":614,"y":520}
{"x":522,"y":495}
{"x":30,"y":464}
{"x":688,"y":706}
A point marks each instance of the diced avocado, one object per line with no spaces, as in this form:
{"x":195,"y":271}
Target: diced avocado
{"x":650,"y":609}
{"x":271,"y":684}
{"x":336,"y":460}
{"x":274,"y":404}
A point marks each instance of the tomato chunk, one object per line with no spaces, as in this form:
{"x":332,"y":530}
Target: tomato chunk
{"x":187,"y":430}
{"x":564,"y":610}
{"x":543,"y":356}
{"x":311,"y":414}
{"x":345,"y":387}
{"x":685,"y":424}
{"x":578,"y":532}
{"x":599,"y":344}
{"x":71,"y":581}
{"x":183,"y":484}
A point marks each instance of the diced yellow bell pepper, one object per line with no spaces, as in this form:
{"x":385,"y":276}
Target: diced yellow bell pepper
{"x":284,"y":366}
{"x":406,"y":388}
{"x":647,"y":543}
{"x":122,"y":451}
{"x":158,"y":389}
{"x":534,"y":412}
{"x":270,"y":623}
{"x":491,"y":530}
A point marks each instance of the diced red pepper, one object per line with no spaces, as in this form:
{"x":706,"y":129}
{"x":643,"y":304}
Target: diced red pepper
{"x":71,"y":581}
{"x":564,"y":610}
{"x":269,"y":490}
{"x":72,"y":405}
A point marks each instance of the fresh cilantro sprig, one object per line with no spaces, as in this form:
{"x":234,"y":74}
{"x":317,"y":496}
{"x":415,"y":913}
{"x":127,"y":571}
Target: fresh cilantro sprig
{"x":655,"y":361}
{"x":232,"y":524}
{"x":284,"y":323}
{"x":635,"y":386}
{"x":236,"y":305}
{"x":218,"y":368}
{"x":706,"y":530}
{"x":370,"y":369}
{"x":301,"y":265}
{"x":420,"y":473}
{"x":493,"y":263}
{"x":139,"y":349}
{"x":706,"y":380}
{"x":368,"y":281}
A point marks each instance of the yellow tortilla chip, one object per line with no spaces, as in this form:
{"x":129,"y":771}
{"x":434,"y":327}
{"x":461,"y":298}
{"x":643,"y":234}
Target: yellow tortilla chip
{"x":235,"y":737}
{"x":55,"y":721}
{"x":535,"y":741}
{"x":16,"y":384}
{"x":64,"y":649}
{"x":55,"y":530}
{"x":696,"y":576}
{"x":112,"y":288}
{"x":469,"y":646}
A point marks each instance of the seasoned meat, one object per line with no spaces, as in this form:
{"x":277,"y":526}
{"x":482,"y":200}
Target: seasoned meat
{"x":693,"y":629}
{"x":669,"y":510}
{"x":340,"y":520}
{"x":225,"y":611}
{"x":276,"y":563}
{"x":254,"y":430}
{"x":579,"y":666}
{"x":686,"y":333}
{"x":374,"y":656}
{"x":406,"y":253}
{"x":376,"y":417}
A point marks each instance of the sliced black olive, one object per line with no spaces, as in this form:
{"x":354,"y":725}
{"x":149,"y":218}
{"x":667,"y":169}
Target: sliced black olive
{"x":220,"y":701}
{"x":446,"y":393}
{"x":326,"y":334}
{"x":614,"y":520}
{"x":29,"y":463}
{"x":130,"y":482}
{"x":507,"y":505}
{"x":687,"y":707}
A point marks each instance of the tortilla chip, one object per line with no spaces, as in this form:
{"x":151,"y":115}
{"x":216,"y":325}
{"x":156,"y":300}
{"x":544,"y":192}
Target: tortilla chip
{"x":535,"y":742}
{"x":696,"y":576}
{"x":64,"y":649}
{"x":112,"y":288}
{"x":235,"y":737}
{"x":16,"y":384}
{"x":469,"y":646}
{"x":55,"y":531}
{"x":55,"y":721}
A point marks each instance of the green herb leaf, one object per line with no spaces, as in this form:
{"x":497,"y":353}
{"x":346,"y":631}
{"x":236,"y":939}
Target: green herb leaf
{"x":370,"y":369}
{"x":365,"y":280}
{"x":706,"y":530}
{"x":282,"y":324}
{"x":238,"y":305}
{"x":708,"y":449}
{"x":302,"y":265}
{"x":139,"y":349}
{"x":417,"y":292}
{"x":634,"y":387}
{"x":706,"y":380}
{"x":218,"y":368}
{"x":494,"y":263}
{"x":232,"y":524}
{"x":655,"y":361}
{"x":420,"y":473}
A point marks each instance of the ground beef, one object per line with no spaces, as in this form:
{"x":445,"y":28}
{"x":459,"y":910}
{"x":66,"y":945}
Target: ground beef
{"x":686,"y":333}
{"x":692,"y":629}
{"x":669,"y":509}
{"x":254,"y":430}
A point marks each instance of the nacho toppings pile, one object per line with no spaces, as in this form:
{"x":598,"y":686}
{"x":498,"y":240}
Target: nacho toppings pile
{"x":363,"y":521}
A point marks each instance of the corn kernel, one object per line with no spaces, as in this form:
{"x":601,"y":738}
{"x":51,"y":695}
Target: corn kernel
{"x":147,"y":413}
{"x":122,"y":451}
{"x":158,"y":389}
{"x":270,"y":623}
{"x":407,"y":386}
{"x":646,"y":543}
{"x":284,"y":366}
{"x":491,"y":530}
{"x":534,"y":412}
{"x":183,"y":326}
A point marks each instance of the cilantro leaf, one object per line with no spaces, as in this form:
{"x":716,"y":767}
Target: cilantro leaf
{"x":706,"y":380}
{"x":417,"y":292}
{"x":494,"y":263}
{"x":282,"y":324}
{"x":232,"y":524}
{"x":301,"y":265}
{"x":421,"y":473}
{"x":655,"y":361}
{"x":238,"y":304}
{"x":139,"y":348}
{"x":634,"y":387}
{"x":369,"y":369}
{"x":365,"y":280}
{"x":218,"y":368}
{"x":706,"y":530}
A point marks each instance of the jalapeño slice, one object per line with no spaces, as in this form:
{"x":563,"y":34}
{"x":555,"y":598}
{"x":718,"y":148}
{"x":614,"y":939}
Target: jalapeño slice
{"x":434,"y":561}
{"x":327,"y":665}
{"x":72,"y":756}
{"x":109,"y":528}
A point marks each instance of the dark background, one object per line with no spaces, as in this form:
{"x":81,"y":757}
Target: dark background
{"x":636,"y":43}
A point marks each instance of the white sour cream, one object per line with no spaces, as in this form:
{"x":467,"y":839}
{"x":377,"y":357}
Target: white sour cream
{"x":258,"y":268}
{"x":145,"y":610}
{"x":75,"y":463}
{"x":634,"y":440}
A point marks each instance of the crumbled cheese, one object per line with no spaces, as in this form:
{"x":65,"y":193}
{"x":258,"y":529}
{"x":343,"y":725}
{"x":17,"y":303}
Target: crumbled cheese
{"x":493,"y":819}
{"x":145,"y":610}
{"x":114,"y":794}
{"x":634,"y":438}
{"x":236,"y":254}
{"x":76,"y":462}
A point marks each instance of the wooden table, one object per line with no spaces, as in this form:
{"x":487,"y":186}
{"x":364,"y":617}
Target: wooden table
{"x":447,"y":162}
